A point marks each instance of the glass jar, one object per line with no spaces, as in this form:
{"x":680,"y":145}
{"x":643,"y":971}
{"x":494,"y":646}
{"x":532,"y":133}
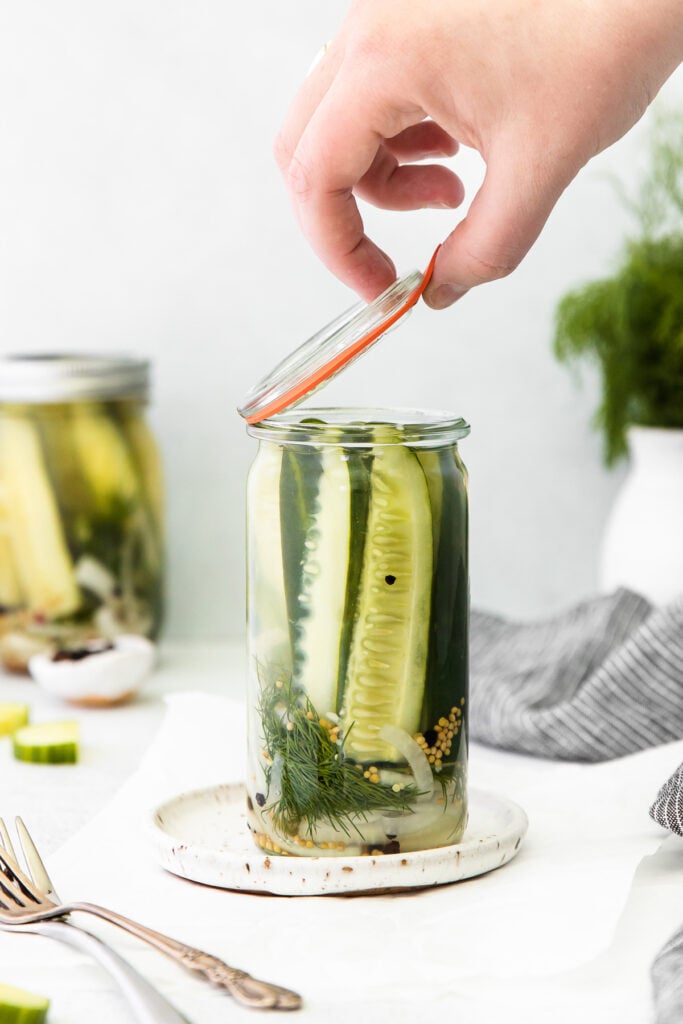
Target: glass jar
{"x":357,"y":604}
{"x":81,"y":506}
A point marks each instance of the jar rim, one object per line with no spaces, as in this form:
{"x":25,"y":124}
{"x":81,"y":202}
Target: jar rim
{"x":65,"y":377}
{"x":348,"y":426}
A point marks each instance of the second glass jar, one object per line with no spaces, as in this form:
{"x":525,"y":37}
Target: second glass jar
{"x":358,"y":601}
{"x":81,"y":506}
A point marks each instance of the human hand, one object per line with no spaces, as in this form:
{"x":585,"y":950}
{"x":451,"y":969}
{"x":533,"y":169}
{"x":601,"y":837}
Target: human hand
{"x":536,"y":88}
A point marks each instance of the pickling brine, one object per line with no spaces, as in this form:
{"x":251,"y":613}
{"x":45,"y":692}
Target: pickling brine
{"x":358,"y":619}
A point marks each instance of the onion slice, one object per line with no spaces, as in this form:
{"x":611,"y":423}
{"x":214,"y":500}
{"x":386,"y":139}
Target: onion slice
{"x":420,"y":820}
{"x":414,"y":755}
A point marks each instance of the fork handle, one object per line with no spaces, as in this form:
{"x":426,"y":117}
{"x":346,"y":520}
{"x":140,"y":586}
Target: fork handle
{"x":148,"y":1005}
{"x":249,"y":991}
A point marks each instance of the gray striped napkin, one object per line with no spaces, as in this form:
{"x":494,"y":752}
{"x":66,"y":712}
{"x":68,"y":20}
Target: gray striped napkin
{"x":600,"y":681}
{"x":667,"y":808}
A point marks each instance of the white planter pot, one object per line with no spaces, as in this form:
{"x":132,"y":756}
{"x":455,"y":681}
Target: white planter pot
{"x":642,"y":548}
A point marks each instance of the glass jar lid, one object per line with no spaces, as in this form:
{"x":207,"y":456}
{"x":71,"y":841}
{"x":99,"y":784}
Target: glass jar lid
{"x":323,"y":355}
{"x":63,"y":377}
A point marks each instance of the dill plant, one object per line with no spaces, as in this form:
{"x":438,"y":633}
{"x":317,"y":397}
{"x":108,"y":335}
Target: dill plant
{"x":631,"y":323}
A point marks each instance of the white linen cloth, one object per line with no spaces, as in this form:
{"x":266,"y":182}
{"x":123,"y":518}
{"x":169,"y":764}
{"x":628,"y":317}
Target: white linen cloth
{"x":534,"y":937}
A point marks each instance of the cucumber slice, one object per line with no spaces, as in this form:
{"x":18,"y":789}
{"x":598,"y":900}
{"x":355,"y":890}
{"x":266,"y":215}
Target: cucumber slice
{"x":20,"y":1007}
{"x":10,"y":590}
{"x":430,"y":460}
{"x":47,"y":742}
{"x":63,"y":468}
{"x":41,"y":554}
{"x":359,"y":462}
{"x":266,"y":603}
{"x":322,"y":594}
{"x":298,"y":497}
{"x":12,"y":717}
{"x":324,"y":493}
{"x":447,"y":663}
{"x":105,"y":460}
{"x":387,"y":662}
{"x":147,"y":458}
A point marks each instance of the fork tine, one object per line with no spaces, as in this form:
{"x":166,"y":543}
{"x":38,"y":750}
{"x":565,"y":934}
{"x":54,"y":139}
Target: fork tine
{"x":35,"y":865}
{"x":5,"y":844}
{"x":12,"y":882}
{"x":5,"y":840}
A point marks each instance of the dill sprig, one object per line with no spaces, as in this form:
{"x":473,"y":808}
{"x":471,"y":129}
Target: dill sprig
{"x":310,"y":780}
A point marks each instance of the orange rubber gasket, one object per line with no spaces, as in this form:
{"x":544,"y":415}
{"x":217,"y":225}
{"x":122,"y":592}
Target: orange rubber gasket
{"x":318,"y":376}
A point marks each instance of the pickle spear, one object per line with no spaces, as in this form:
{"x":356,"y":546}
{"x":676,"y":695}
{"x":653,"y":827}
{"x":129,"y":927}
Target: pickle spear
{"x":321,"y":596}
{"x":105,"y":460}
{"x":41,"y":555}
{"x":387,"y":662}
{"x":10,"y":590}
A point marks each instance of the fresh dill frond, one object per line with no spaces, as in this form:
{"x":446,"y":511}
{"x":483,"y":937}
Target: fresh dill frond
{"x":630,"y":324}
{"x":310,"y":780}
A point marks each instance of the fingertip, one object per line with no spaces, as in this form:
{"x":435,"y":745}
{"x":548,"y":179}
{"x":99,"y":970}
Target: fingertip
{"x":504,"y":219}
{"x":443,"y":295}
{"x":447,"y":189}
{"x":410,"y":187}
{"x":372,"y":276}
{"x":453,"y":194}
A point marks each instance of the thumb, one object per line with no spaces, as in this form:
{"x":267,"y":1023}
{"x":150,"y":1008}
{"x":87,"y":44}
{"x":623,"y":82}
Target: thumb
{"x":504,"y":220}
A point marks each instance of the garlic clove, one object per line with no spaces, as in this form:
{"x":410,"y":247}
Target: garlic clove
{"x":17,"y":648}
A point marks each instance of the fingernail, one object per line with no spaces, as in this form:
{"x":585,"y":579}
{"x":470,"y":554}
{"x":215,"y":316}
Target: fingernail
{"x":444,"y":295}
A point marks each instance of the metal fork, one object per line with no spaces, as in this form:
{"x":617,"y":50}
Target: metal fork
{"x":27,"y":901}
{"x":148,"y":1005}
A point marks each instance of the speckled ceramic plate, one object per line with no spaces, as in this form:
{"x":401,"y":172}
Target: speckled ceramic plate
{"x":203,"y":836}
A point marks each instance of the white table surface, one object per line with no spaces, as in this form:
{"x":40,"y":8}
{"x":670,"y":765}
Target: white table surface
{"x":56,"y":801}
{"x":568,"y":929}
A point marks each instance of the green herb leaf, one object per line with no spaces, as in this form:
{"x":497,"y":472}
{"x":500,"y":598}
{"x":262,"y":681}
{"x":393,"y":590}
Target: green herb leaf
{"x":631,"y":324}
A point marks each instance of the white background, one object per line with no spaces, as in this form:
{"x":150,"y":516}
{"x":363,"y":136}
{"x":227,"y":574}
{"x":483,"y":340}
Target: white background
{"x":141,"y":211}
